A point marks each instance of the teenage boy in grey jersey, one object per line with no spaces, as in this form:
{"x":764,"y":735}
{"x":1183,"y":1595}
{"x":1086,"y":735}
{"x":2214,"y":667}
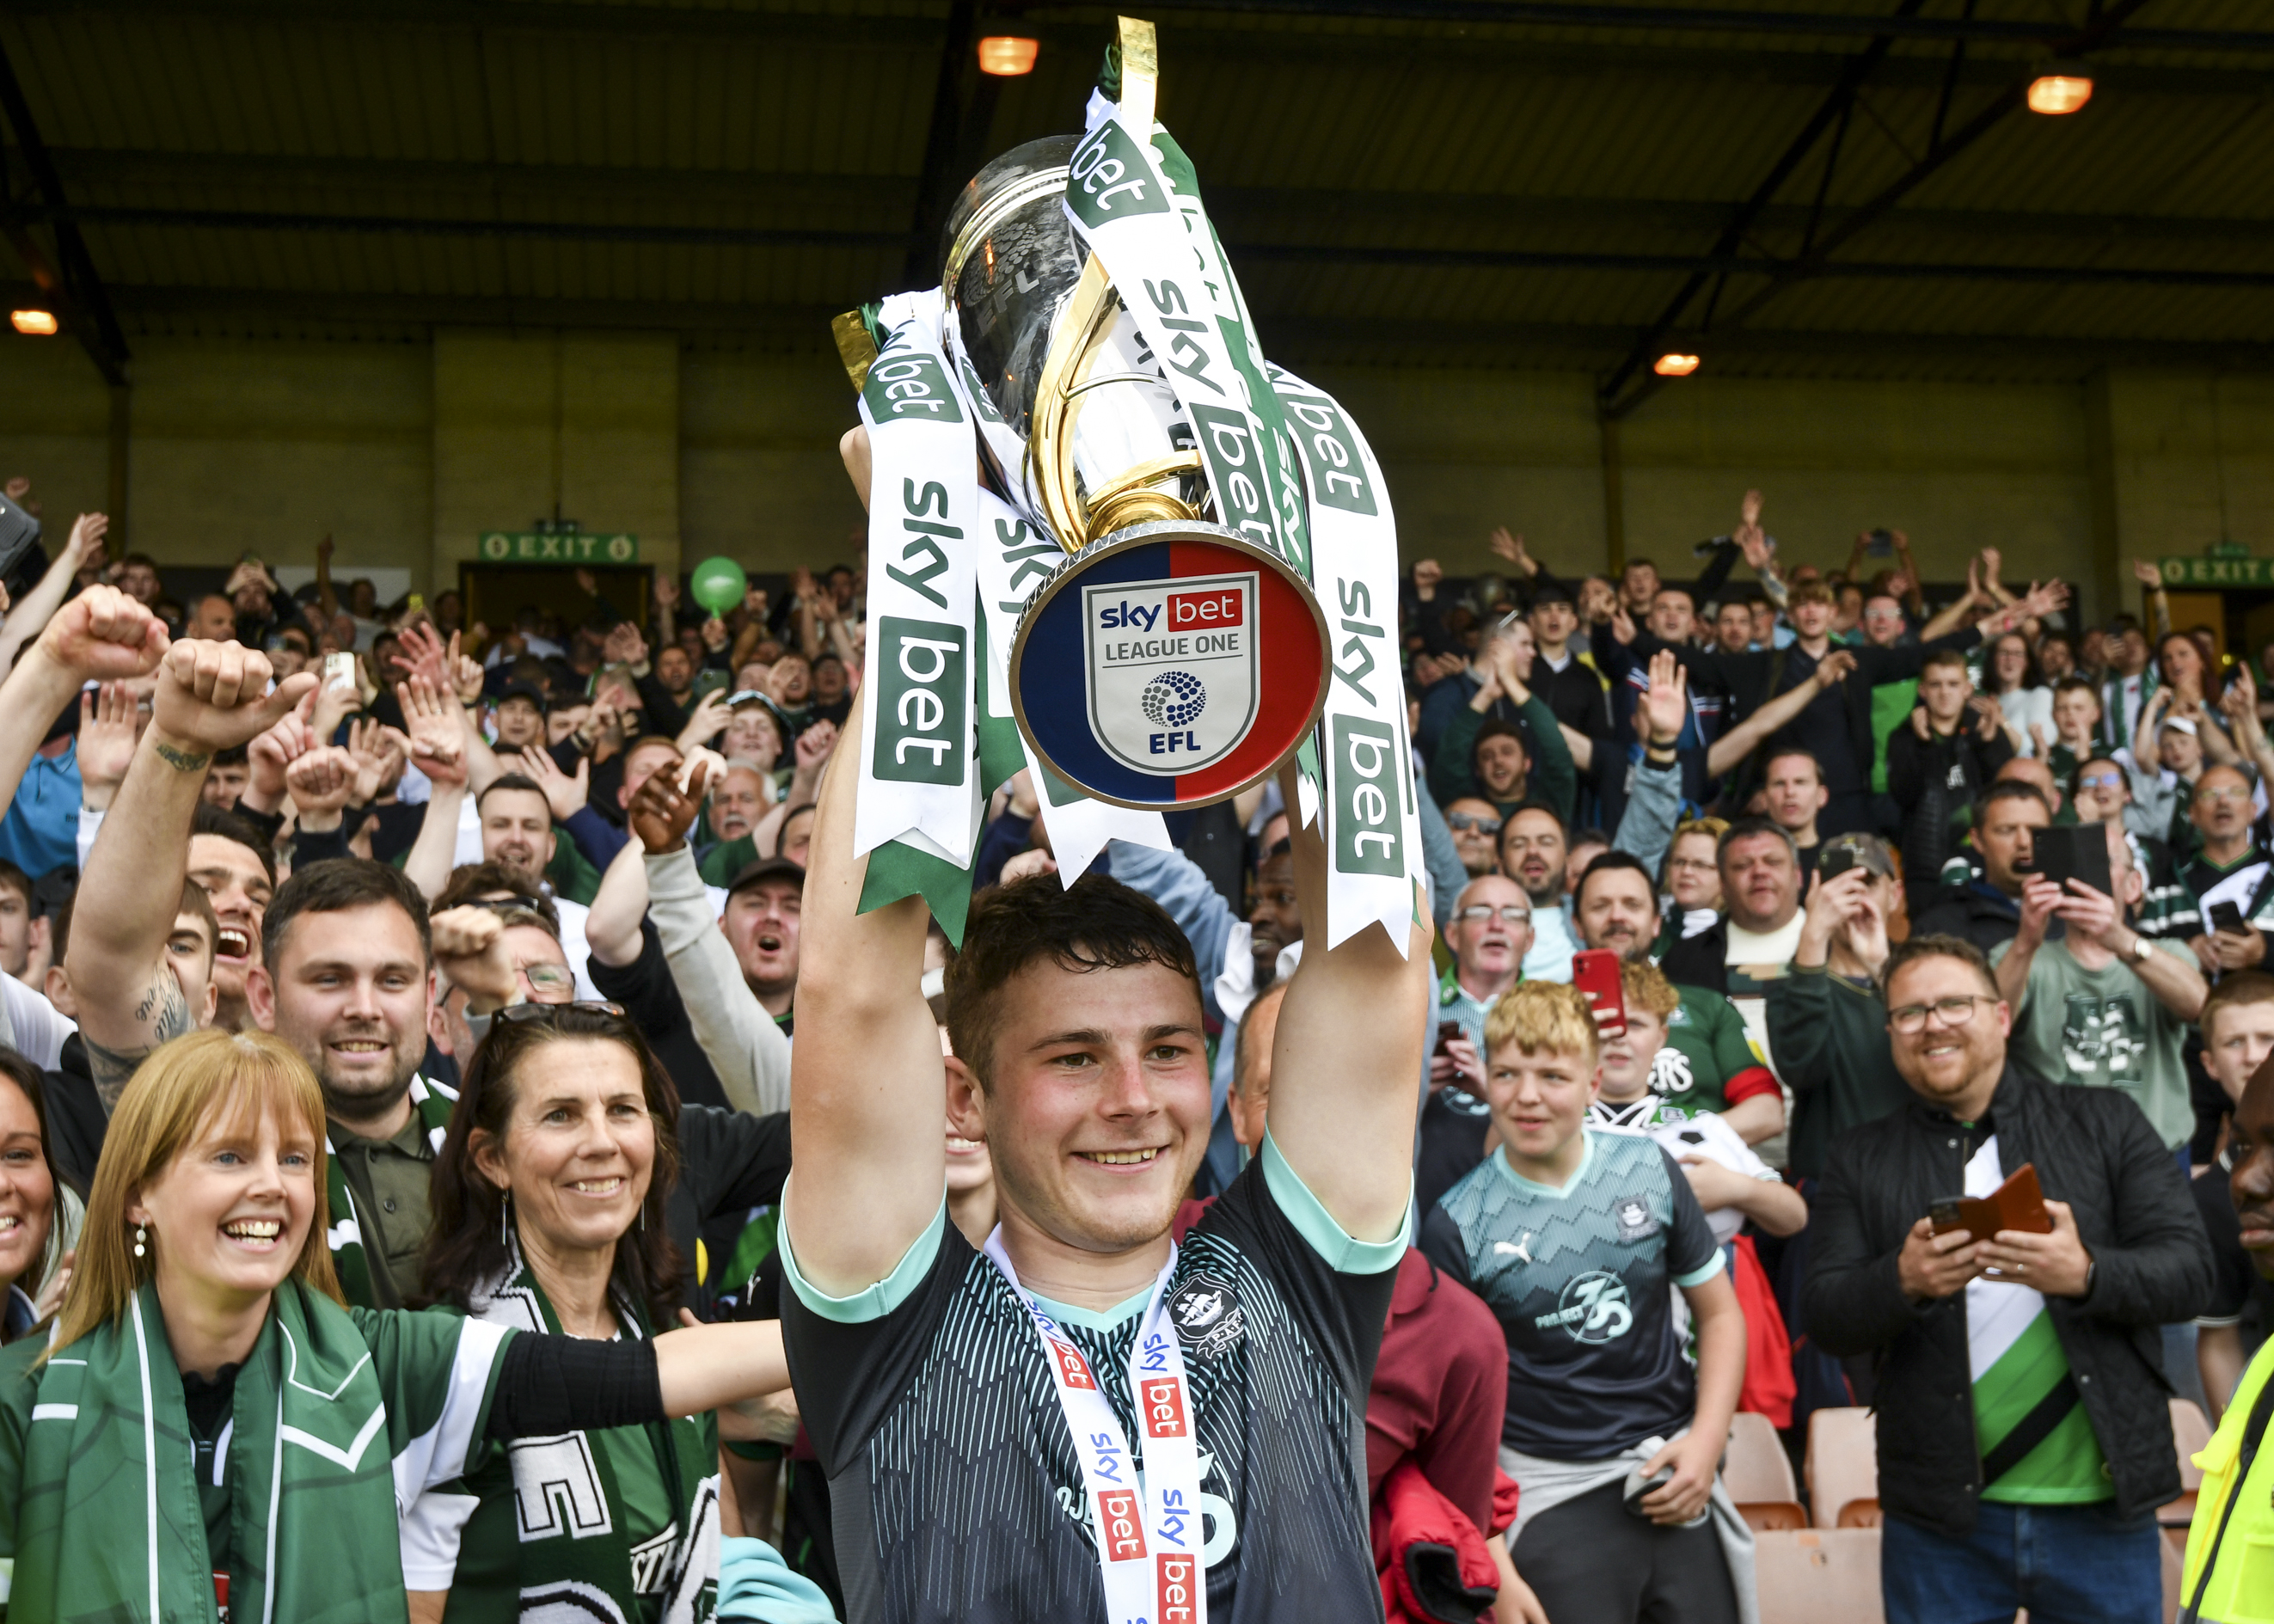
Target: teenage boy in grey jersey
{"x":1075,"y":1022}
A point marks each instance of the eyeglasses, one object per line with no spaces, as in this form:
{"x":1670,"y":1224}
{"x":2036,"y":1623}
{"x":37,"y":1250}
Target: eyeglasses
{"x":517,"y":1014}
{"x":1469,"y":823}
{"x":2223,"y":792}
{"x":1508,"y":913}
{"x":1953,"y":1012}
{"x":550,"y":978}
{"x":2101,"y":780}
{"x":1692,"y":865}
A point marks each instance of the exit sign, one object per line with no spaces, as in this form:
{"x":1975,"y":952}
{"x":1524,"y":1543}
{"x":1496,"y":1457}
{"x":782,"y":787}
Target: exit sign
{"x":576,"y":547}
{"x":2217,"y":572}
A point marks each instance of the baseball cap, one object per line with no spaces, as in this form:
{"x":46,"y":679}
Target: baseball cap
{"x":525,"y":691}
{"x":1869,"y":852}
{"x":767,"y":868}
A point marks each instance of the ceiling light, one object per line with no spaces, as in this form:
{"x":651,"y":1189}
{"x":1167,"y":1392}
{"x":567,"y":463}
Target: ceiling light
{"x":1674,"y":365}
{"x":2058,"y":93}
{"x":40,"y":323}
{"x":1007,"y":56}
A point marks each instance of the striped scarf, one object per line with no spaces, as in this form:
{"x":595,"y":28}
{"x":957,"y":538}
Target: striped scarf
{"x":106,"y":1522}
{"x":544,"y":1533}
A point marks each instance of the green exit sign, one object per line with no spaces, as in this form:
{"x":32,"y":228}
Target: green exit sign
{"x":576,"y":547}
{"x":2217,"y":571}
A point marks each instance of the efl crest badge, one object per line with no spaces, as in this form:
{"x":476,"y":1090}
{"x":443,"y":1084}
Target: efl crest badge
{"x":1169,"y":670}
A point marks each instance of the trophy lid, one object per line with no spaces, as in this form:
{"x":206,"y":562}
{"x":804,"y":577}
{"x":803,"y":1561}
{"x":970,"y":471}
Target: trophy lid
{"x":1009,"y":259}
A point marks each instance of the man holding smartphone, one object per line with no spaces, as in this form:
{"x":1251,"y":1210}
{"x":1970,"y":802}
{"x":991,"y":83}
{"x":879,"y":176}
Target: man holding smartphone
{"x":2103,"y":1004}
{"x":2021,"y":1416}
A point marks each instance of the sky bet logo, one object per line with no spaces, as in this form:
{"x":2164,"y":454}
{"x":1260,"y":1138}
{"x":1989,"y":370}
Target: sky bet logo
{"x":1187,"y":612}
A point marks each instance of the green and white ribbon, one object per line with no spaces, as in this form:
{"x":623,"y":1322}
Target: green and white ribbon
{"x":1372,"y":824}
{"x":1016,"y":556}
{"x":917,"y":813}
{"x":1132,"y":197}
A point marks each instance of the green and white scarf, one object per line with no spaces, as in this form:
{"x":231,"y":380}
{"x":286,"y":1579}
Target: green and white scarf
{"x":548,"y":1510}
{"x":337,"y":1414}
{"x":350,"y":1261}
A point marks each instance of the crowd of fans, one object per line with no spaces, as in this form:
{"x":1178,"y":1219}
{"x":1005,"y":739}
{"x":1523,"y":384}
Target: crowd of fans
{"x":1802,"y":807}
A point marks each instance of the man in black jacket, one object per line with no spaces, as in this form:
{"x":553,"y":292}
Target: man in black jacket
{"x":2025,"y":1439}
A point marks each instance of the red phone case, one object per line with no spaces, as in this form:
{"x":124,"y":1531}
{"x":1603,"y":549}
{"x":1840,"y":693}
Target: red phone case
{"x":1595,"y":973}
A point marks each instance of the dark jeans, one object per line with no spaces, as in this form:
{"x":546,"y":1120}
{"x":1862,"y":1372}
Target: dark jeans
{"x":1591,"y":1560}
{"x":2066,"y":1564}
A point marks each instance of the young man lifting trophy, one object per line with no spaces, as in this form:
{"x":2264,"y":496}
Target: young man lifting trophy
{"x":1112,"y":545}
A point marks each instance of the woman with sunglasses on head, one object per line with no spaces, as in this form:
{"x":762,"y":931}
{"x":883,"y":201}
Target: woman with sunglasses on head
{"x":40,"y":1214}
{"x":208,"y":1423}
{"x":548,"y":1215}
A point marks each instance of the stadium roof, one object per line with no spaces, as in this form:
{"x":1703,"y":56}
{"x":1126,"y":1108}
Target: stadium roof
{"x":1791,"y":187}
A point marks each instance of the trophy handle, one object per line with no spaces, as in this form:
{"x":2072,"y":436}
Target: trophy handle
{"x":1089,"y":311}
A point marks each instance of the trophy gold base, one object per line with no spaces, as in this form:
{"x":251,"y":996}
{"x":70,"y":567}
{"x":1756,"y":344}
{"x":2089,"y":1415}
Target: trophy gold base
{"x":1170,"y":665}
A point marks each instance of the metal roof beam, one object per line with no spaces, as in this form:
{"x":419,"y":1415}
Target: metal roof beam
{"x":885,"y":199}
{"x":259,"y":311}
{"x":1700,"y":266}
{"x":902,"y":32}
{"x":1833,"y":112}
{"x":2102,"y":28}
{"x":68,"y":277}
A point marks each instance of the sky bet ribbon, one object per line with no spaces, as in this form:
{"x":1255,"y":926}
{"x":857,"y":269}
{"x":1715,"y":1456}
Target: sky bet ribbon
{"x":1149,"y":1533}
{"x":1374,"y":823}
{"x":917,"y":813}
{"x":1016,"y":557}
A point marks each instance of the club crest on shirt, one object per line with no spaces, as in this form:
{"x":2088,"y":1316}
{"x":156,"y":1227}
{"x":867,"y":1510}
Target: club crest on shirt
{"x":1632,"y":1214}
{"x":1207,"y":1314}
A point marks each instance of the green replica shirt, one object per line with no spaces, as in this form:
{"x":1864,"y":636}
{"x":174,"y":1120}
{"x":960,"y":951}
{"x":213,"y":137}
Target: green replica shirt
{"x":1707,"y":1063}
{"x":2105,"y":1029}
{"x":1892,"y":704}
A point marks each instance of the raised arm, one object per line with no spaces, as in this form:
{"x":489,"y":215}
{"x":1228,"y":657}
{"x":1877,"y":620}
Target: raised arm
{"x":869,"y":1089}
{"x":210,"y":697}
{"x":1347,"y":1050}
{"x":1740,"y":740}
{"x":438,"y":749}
{"x":102,"y":635}
{"x":28,"y":617}
{"x":745,"y":1048}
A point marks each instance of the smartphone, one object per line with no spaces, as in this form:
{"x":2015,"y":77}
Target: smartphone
{"x":339,"y":671}
{"x":1834,"y":858}
{"x":1880,"y":544}
{"x":710,"y":679}
{"x":2226,"y":916}
{"x":1595,"y":973}
{"x":2074,"y":852}
{"x":1946,"y":1215}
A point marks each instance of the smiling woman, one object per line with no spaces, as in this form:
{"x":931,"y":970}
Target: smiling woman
{"x":549,"y":1216}
{"x":143,"y":1458}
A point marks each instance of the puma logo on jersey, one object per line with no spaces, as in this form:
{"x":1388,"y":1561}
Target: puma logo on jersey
{"x":1521,"y":1249}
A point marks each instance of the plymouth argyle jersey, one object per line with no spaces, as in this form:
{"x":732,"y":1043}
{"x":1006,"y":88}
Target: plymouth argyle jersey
{"x":1577,"y":1278}
{"x":956,"y":1490}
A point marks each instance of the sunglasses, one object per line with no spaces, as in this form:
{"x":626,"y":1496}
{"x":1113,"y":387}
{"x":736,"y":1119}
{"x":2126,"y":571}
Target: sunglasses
{"x":521,"y":1014}
{"x":1469,"y":823}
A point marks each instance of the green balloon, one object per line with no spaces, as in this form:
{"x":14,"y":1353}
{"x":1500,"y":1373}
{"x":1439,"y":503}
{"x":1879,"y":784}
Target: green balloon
{"x":718,"y":585}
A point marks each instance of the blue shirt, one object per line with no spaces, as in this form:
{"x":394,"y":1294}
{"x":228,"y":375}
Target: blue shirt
{"x":41,"y":830}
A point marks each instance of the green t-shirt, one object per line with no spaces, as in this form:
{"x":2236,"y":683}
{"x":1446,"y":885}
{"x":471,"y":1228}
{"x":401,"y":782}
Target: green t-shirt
{"x":1892,"y":704}
{"x":635,"y":1455}
{"x":1705,"y":1047}
{"x":2104,"y":1028}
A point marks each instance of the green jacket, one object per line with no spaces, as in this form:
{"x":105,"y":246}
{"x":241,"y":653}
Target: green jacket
{"x":1553,"y":781}
{"x":1829,"y":1039}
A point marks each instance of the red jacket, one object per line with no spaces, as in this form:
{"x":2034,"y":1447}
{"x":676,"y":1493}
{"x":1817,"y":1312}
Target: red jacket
{"x":1433,"y":1562}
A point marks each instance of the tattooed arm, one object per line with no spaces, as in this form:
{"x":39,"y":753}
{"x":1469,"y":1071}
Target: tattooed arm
{"x":211,"y":696}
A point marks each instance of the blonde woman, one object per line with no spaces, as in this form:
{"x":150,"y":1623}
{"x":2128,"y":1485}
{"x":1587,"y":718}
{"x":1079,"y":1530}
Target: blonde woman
{"x":207,"y":1425}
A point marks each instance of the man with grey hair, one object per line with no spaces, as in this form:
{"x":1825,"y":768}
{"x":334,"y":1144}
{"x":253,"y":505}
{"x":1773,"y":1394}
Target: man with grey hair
{"x":1753,"y":944}
{"x":1489,"y":934}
